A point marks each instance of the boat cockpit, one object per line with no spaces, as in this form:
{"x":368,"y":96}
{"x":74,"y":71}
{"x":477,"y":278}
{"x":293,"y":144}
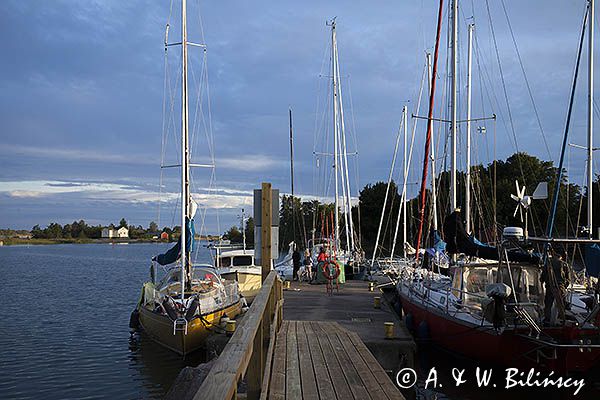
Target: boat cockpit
{"x":204,"y":279}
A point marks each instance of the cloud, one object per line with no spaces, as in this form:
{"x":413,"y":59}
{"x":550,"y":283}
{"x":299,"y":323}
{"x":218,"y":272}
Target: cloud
{"x":24,"y":193}
{"x":252,"y":162}
{"x":74,"y":154}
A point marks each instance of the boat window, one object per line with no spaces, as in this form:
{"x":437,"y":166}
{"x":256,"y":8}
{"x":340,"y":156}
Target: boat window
{"x":527,"y":283}
{"x":203,"y":274}
{"x":457,"y":283}
{"x":242,"y":261}
{"x":171,"y":278}
{"x":225,"y":262}
{"x":476,"y":279}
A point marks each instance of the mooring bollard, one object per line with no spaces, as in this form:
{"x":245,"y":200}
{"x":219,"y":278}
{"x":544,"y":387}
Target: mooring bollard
{"x":286,"y":284}
{"x":389,"y":330}
{"x":230,"y":327}
{"x":377,"y":302}
{"x":371,"y":286}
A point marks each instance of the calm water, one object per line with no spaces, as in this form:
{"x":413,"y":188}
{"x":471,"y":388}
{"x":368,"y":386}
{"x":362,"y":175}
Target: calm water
{"x":64,"y":319}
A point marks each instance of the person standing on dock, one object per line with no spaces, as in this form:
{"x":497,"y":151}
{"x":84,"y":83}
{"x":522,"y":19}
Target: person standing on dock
{"x":555,"y":275}
{"x":308,"y":264}
{"x":322,"y":255}
{"x":296,"y":261}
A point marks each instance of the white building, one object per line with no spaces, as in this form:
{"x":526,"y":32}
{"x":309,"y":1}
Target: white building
{"x":110,"y":233}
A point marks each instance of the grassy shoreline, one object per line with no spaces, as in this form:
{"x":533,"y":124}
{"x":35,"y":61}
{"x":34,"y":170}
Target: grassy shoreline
{"x":34,"y":242}
{"x":16,"y":241}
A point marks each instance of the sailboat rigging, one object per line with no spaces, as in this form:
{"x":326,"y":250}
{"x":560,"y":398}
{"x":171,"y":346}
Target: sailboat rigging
{"x":493,"y":306}
{"x":181,"y":309}
{"x":348,"y":252}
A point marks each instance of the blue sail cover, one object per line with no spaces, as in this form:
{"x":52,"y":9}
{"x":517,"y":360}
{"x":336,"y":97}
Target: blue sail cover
{"x":438,"y":244}
{"x":592,"y":260}
{"x":173,"y":253}
{"x":479,"y":243}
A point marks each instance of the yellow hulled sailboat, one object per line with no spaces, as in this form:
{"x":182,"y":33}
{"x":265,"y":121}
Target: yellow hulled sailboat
{"x":187,"y":304}
{"x":182,"y":323}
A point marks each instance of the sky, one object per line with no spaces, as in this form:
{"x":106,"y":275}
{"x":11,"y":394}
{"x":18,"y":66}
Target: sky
{"x":82,"y":97}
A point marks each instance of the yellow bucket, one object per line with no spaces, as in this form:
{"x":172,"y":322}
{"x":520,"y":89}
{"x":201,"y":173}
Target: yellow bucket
{"x":389,"y":330}
{"x":230,"y":327}
{"x":377,"y":302}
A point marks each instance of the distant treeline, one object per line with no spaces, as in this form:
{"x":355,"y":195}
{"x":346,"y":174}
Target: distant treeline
{"x":81,"y":230}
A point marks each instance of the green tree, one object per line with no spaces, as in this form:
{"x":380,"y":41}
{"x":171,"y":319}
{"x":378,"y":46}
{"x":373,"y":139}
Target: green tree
{"x":122,"y":223}
{"x":371,"y":200}
{"x":93,"y":232}
{"x":66,"y":231}
{"x":233,"y":234}
{"x":37,"y":232}
{"x":153,"y":227}
{"x":249,"y":229}
{"x":54,"y":231}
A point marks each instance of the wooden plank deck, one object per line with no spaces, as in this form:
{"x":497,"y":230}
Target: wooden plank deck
{"x":322,"y":360}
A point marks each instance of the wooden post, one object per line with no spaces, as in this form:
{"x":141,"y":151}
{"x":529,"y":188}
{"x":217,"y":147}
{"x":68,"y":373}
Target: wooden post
{"x":254,"y":373}
{"x":266,"y":230}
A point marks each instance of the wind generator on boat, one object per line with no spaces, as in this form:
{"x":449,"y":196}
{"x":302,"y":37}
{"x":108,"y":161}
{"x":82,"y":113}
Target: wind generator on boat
{"x":181,"y":309}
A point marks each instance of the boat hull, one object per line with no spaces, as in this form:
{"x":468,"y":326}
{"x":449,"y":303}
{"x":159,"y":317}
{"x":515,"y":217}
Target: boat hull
{"x":512,"y":348}
{"x":160,"y":328}
{"x":249,"y":284}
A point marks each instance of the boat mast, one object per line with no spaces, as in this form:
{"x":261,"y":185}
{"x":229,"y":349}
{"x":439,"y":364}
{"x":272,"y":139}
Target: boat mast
{"x":185,"y":173}
{"x":344,"y":156}
{"x":335,"y":131}
{"x":405,"y":176}
{"x":590,"y":117}
{"x":402,"y":210}
{"x":243,"y":231}
{"x":552,"y":216}
{"x":292,"y":176}
{"x":428,"y":136}
{"x":468,"y":184}
{"x":433,"y":189}
{"x":454,"y":102}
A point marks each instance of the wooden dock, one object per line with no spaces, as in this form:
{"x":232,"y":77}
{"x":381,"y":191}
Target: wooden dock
{"x":322,"y":360}
{"x":305,"y":344}
{"x":353,"y":309}
{"x":273,"y":355}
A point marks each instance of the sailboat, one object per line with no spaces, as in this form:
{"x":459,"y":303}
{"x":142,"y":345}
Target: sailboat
{"x":181,"y":309}
{"x":350,"y":257}
{"x":492,"y":309}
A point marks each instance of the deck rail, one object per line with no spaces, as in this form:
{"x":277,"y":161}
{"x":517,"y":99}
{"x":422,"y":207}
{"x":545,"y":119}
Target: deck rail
{"x":249,"y":352}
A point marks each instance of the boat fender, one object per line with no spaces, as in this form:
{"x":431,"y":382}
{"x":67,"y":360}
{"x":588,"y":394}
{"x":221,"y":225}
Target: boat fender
{"x":134,"y":321}
{"x":170,"y":307}
{"x":327,"y":271}
{"x":423,"y":330}
{"x":409,"y":321}
{"x":191,"y":311}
